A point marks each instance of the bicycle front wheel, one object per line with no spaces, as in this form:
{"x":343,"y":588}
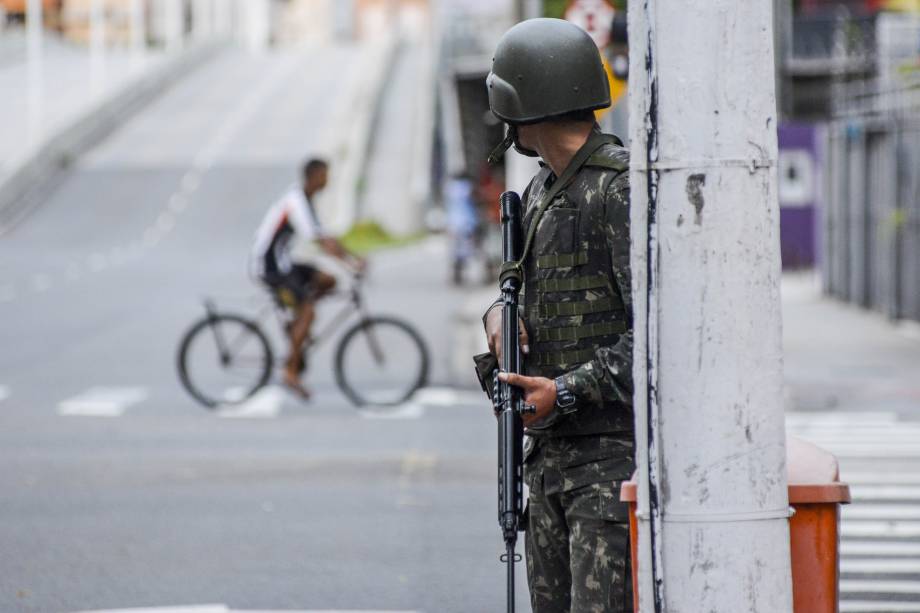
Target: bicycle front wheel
{"x":224,"y":360}
{"x":381,"y":361}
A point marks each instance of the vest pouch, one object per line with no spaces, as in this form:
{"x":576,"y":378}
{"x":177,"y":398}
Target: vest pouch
{"x":558,"y":231}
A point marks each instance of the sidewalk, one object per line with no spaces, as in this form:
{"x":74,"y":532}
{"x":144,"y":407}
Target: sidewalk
{"x":50,"y":115}
{"x":837,"y":356}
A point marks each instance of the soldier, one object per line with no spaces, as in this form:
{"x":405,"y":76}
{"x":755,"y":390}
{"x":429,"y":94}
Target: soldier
{"x":546,"y":81}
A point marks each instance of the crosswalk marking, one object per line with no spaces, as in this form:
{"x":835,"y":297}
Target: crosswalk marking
{"x":4,"y":392}
{"x":878,"y":606}
{"x":880,"y":529}
{"x":887,"y":566}
{"x":901,"y":477}
{"x":264,"y":404}
{"x":879,"y":586}
{"x":884,"y":492}
{"x":102,"y":402}
{"x":880,"y":458}
{"x":879,"y":548}
{"x":882,"y":511}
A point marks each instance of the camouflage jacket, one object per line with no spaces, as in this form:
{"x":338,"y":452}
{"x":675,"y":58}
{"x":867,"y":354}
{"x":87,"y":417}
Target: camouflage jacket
{"x":577,"y":294}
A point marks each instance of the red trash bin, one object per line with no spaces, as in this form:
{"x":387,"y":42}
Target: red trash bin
{"x":815,"y":494}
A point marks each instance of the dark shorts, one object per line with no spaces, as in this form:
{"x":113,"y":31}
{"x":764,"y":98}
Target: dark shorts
{"x":295,"y":287}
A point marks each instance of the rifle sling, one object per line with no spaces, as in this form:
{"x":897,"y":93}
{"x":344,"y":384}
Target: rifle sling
{"x":594,"y":142}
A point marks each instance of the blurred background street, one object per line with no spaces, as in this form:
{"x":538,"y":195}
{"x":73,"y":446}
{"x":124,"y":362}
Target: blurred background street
{"x":141,"y":144}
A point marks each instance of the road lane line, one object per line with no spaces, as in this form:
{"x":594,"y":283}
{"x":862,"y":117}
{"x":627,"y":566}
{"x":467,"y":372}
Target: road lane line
{"x":102,"y":402}
{"x":264,"y":404}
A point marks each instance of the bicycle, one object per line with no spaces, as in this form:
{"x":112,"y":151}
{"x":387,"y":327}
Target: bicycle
{"x":393,"y":366}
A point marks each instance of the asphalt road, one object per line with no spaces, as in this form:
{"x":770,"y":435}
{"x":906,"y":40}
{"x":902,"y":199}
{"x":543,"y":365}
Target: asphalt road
{"x":306,"y":506}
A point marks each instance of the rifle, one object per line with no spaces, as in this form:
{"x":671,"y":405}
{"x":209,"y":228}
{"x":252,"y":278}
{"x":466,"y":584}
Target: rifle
{"x":508,"y":402}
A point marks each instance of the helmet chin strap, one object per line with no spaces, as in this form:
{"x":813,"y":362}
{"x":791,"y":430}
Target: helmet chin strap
{"x":511,"y":138}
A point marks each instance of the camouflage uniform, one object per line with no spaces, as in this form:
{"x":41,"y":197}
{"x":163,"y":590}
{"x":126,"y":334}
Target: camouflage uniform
{"x":578,"y":308}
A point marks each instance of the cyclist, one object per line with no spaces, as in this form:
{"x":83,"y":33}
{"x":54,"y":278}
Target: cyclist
{"x":298,"y":285}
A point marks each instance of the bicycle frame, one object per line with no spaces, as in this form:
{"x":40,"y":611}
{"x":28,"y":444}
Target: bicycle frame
{"x":354,"y":304}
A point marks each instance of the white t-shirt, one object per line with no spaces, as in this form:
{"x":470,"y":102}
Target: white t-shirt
{"x":292,"y":216}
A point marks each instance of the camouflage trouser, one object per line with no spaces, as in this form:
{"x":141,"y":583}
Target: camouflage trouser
{"x":577,"y":543}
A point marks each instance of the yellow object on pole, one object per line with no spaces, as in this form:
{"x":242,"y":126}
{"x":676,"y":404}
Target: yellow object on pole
{"x":617,"y":89}
{"x":907,"y":6}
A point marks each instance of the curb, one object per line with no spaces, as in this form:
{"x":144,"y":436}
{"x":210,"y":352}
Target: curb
{"x":20,"y":189}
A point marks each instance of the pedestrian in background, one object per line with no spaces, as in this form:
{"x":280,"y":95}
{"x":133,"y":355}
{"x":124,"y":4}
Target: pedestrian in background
{"x":462,"y":222}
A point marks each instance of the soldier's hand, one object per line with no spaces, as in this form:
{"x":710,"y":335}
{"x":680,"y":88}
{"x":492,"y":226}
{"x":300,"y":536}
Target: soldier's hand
{"x":538,"y":391}
{"x":494,"y":333}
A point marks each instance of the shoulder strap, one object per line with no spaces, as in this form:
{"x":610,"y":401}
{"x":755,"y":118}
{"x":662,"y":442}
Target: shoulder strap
{"x":594,"y":142}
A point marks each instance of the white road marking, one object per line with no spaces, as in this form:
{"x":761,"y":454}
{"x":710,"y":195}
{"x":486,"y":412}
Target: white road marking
{"x":878,"y":606}
{"x":875,"y":451}
{"x":98,"y":262}
{"x":152,"y":236}
{"x":264,"y":404}
{"x":881,"y":511}
{"x":883,"y":492}
{"x":166,"y":221}
{"x":178,"y":203}
{"x":880,"y":459}
{"x":41,"y":282}
{"x":102,"y":402}
{"x":879,"y":548}
{"x":4,"y":392}
{"x":888,"y":566}
{"x":867,"y":529}
{"x":873,"y":586}
{"x":191,"y":181}
{"x":905,"y":478}
{"x":840,"y":417}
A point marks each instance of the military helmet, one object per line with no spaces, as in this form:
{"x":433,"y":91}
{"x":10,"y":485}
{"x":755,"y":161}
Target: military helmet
{"x":543,"y":68}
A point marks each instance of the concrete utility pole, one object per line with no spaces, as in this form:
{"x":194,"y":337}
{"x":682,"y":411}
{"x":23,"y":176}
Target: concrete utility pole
{"x":713,"y":502}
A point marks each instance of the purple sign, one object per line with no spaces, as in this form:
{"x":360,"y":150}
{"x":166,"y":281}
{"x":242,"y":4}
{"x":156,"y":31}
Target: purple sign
{"x":798,"y":168}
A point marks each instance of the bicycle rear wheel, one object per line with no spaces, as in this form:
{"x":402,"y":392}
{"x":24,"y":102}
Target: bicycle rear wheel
{"x":224,"y":360}
{"x":381,"y":361}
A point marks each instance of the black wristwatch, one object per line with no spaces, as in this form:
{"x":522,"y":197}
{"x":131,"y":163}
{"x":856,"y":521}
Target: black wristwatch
{"x":565,"y":399}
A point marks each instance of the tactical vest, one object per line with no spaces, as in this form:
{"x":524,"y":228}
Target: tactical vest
{"x":572,"y":303}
